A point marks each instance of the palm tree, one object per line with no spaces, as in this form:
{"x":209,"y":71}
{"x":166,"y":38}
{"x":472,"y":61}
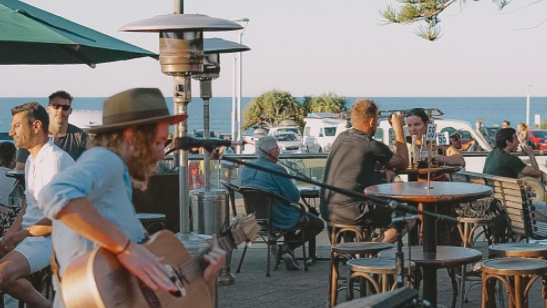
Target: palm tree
{"x":270,"y":108}
{"x":326,"y":102}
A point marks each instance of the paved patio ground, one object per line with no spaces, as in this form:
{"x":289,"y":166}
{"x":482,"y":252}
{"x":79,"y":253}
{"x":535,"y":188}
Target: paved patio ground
{"x":309,"y":289}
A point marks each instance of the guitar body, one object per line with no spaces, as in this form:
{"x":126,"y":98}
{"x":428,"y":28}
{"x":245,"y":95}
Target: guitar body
{"x":97,"y":279}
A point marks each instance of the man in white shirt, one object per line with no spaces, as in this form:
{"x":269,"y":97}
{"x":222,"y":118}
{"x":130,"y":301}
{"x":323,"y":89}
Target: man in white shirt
{"x":26,"y":246}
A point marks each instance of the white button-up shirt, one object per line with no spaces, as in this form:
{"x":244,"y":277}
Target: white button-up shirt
{"x":39,"y":171}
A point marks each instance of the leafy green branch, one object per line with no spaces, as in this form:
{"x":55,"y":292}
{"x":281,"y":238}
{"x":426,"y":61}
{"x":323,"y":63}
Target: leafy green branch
{"x":426,"y":11}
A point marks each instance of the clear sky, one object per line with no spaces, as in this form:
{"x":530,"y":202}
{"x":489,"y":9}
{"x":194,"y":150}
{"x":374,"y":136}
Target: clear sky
{"x":308,"y":47}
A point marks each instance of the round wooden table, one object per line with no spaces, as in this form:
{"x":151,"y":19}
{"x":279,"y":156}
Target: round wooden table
{"x":436,"y":171}
{"x":439,"y":194}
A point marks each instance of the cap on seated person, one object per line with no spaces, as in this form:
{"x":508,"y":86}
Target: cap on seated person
{"x":451,"y":131}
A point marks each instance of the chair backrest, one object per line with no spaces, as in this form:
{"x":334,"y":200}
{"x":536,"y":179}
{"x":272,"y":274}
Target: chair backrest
{"x":232,"y":189}
{"x":258,"y":202}
{"x":513,"y":194}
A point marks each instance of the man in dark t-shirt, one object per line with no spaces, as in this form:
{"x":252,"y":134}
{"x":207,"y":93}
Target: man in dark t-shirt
{"x":351,"y":165}
{"x":66,"y":136}
{"x":500,"y":161}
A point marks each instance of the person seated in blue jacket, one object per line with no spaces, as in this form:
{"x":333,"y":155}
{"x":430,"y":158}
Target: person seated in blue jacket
{"x":285,"y":215}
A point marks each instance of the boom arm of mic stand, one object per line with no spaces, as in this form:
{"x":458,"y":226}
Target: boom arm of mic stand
{"x":346,"y":192}
{"x":386,"y":202}
{"x":397,"y":206}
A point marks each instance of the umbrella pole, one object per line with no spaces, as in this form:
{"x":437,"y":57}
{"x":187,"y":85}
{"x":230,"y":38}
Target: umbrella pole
{"x":181,"y":98}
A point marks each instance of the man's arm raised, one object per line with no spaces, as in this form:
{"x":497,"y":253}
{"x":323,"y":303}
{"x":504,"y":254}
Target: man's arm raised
{"x":533,"y":170}
{"x":399,"y":160}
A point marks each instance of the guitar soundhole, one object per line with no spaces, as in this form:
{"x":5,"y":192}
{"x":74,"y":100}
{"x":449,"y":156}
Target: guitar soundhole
{"x":149,"y":295}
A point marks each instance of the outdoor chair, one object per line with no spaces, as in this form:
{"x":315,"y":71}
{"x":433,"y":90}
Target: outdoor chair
{"x":232,"y":189}
{"x":259,"y":203}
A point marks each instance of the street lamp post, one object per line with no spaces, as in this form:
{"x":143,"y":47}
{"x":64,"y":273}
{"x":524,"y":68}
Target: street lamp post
{"x":528,"y":104}
{"x":238,"y":73}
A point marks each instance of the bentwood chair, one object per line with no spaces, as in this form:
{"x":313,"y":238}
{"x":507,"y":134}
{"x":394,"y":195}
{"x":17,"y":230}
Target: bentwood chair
{"x":259,"y":202}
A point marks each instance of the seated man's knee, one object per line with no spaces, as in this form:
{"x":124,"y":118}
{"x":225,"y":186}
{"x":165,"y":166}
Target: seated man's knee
{"x":8,"y":275}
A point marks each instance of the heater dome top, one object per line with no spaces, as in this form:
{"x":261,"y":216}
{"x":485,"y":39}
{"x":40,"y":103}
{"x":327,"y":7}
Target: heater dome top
{"x":181,"y":22}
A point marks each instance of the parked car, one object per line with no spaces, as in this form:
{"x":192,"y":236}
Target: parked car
{"x":288,"y":142}
{"x":320,"y":131}
{"x":284,"y":129}
{"x":538,"y":138}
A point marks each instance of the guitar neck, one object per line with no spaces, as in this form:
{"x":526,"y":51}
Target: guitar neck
{"x":196,"y":266}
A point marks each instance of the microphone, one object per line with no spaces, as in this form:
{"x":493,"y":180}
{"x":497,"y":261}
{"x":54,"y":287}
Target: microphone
{"x":187,"y":143}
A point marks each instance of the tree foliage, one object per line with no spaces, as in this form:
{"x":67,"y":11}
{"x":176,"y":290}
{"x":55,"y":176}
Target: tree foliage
{"x":270,"y":108}
{"x":427,"y":11}
{"x":326,"y":102}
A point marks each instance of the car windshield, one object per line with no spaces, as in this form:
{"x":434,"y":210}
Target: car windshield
{"x":287,"y":137}
{"x":540,"y":133}
{"x":289,"y":130}
{"x":330,"y":131}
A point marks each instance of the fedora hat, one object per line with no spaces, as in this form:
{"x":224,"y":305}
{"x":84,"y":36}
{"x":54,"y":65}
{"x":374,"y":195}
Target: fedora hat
{"x":135,"y":107}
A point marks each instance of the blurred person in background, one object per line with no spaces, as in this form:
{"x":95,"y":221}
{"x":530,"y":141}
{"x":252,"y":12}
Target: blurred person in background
{"x":66,"y":136}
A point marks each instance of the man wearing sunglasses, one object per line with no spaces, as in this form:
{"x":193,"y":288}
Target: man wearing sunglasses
{"x":452,"y":155}
{"x":66,"y":136}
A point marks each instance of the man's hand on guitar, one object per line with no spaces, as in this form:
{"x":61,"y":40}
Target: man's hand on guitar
{"x":147,"y":267}
{"x":215,"y":257}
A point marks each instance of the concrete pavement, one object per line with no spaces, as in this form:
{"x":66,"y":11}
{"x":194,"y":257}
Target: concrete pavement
{"x":309,"y":289}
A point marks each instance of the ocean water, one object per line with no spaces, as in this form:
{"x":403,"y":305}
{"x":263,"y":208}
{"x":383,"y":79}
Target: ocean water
{"x":493,"y":109}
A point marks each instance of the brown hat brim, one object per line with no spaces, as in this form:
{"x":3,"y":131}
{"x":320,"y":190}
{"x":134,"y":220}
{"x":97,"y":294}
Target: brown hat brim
{"x":164,"y":119}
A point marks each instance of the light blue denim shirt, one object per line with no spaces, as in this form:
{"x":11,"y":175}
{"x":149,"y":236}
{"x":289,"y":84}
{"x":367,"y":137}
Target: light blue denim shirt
{"x":102,"y":177}
{"x":285,"y":215}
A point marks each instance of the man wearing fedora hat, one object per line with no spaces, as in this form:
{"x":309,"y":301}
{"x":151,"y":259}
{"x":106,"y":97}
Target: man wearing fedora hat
{"x":90,"y":203}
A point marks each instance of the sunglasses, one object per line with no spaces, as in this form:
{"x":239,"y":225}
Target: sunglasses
{"x":57,"y":106}
{"x":414,"y":111}
{"x":456,"y":137}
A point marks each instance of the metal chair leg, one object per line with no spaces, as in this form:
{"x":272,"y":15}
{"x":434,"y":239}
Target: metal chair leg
{"x":304,"y":250}
{"x":268,"y":256}
{"x":242,"y":258}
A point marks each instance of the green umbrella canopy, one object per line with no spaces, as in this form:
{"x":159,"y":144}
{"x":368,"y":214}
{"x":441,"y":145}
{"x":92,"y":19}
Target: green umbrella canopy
{"x":29,"y":35}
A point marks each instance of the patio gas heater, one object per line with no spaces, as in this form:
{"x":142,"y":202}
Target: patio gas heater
{"x":181,"y":55}
{"x":210,"y":206}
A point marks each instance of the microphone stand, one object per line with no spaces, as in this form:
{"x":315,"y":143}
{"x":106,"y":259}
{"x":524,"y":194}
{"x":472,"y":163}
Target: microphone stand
{"x":397,"y":206}
{"x":400,"y":223}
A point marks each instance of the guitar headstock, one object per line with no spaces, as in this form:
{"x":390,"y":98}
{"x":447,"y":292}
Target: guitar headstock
{"x":243,"y":229}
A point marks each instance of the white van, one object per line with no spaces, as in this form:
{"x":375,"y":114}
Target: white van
{"x":320,"y":131}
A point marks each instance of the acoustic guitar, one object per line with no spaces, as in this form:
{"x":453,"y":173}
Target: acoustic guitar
{"x":97,"y":279}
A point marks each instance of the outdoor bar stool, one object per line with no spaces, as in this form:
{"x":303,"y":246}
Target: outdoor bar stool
{"x":378,"y":273}
{"x":346,"y":251}
{"x":522,"y":250}
{"x":449,"y":257}
{"x":517,"y":276}
{"x":152,"y":222}
{"x":467,"y":227}
{"x":339,"y":232}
